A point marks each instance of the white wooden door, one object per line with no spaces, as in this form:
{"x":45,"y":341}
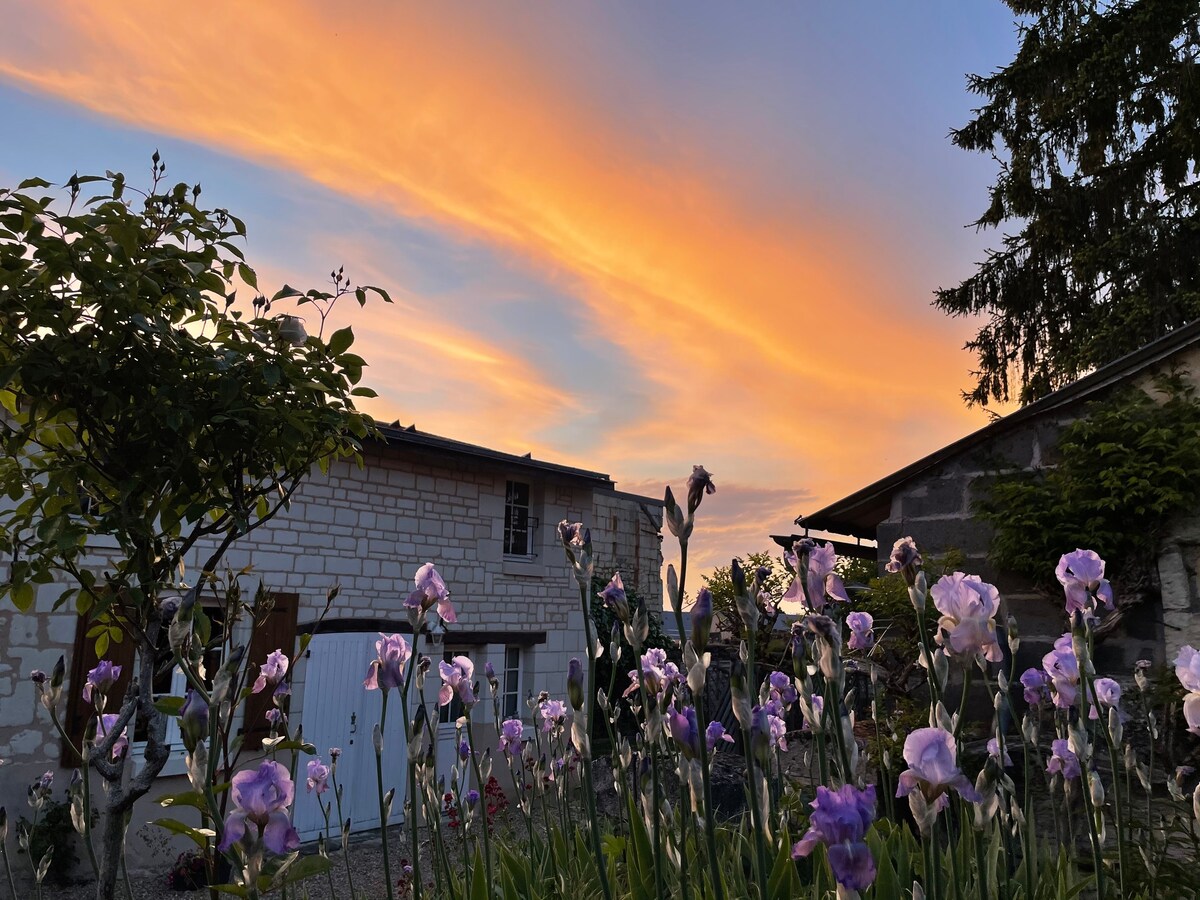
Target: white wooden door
{"x":339,"y":712}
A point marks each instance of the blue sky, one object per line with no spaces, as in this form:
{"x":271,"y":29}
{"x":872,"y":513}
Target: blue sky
{"x":626,"y":236}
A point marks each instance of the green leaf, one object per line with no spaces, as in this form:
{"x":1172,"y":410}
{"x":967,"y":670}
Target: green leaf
{"x":340,"y":340}
{"x":479,"y":885}
{"x":170,"y":706}
{"x":199,"y":836}
{"x":23,"y":596}
{"x":307,"y":867}
{"x":187,"y":798}
{"x":247,"y":275}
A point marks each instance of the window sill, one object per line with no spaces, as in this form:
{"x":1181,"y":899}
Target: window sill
{"x":527,"y":567}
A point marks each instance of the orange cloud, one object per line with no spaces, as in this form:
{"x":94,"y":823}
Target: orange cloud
{"x":765,"y":342}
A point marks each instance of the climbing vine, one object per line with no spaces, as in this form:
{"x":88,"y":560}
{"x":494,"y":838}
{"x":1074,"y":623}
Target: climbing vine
{"x":1121,"y":473}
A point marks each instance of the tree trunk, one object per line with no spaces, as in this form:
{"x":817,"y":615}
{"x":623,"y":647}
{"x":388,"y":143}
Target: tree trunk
{"x":122,"y":794}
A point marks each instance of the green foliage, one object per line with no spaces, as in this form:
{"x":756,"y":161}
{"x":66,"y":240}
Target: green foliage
{"x":1096,"y":129}
{"x":604,"y":620}
{"x":896,"y":630}
{"x":143,"y":402}
{"x":1124,"y":470}
{"x":54,"y":830}
{"x":725,"y":611}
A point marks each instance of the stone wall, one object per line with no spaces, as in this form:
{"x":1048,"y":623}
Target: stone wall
{"x":936,"y":510}
{"x":367,"y":530}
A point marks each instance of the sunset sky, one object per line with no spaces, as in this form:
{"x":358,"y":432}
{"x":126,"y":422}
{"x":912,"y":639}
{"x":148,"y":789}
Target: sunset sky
{"x":625,"y":236}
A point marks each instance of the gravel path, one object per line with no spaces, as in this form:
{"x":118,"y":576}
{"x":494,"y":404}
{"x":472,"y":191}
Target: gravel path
{"x":366,"y":862}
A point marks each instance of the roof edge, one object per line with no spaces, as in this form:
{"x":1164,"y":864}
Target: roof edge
{"x":829,"y":517}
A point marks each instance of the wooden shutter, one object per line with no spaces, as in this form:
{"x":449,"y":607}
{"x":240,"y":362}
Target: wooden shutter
{"x":83,"y":660}
{"x":277,"y":632}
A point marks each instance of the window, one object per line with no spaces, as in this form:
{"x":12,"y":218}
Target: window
{"x":510,"y":686}
{"x":169,"y":680}
{"x":520,"y":527}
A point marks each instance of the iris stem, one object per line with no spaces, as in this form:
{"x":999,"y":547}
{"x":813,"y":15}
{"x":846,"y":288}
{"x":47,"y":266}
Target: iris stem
{"x":383,"y":816}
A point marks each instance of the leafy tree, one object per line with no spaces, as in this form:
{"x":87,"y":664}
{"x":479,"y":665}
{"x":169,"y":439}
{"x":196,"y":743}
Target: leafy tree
{"x":604,"y":619}
{"x":725,"y":612}
{"x":1096,"y":128}
{"x":146,"y":405}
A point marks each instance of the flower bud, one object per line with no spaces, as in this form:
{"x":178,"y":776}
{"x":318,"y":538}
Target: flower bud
{"x":673,"y":588}
{"x":702,"y":616}
{"x":377,"y":739}
{"x":673,"y":515}
{"x":575,"y":683}
{"x":699,"y":484}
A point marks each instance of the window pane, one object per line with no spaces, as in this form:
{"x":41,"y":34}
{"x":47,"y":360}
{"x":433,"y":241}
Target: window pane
{"x":512,"y":657}
{"x":516,"y":519}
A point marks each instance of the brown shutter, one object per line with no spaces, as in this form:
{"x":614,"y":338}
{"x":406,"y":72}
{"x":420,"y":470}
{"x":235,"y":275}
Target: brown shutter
{"x":83,"y":660}
{"x":277,"y":632}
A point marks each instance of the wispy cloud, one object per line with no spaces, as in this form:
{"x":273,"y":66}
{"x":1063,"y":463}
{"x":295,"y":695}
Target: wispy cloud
{"x":766,"y":348}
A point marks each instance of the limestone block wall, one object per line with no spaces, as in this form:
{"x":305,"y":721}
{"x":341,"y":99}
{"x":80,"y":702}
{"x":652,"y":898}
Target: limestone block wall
{"x":1178,"y":565}
{"x":936,"y":510}
{"x":367,"y":530}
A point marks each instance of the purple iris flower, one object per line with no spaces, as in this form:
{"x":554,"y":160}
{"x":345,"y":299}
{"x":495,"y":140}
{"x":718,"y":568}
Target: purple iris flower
{"x":819,"y":582}
{"x":782,"y":688}
{"x":274,"y":716}
{"x":261,"y":798}
{"x":615,"y":599}
{"x":840,"y":820}
{"x":1108,"y":692}
{"x":699,"y":483}
{"x":684,"y":730}
{"x":993,"y":749}
{"x":100,"y":680}
{"x":1081,"y":573}
{"x":968,"y":606}
{"x":861,"y":625}
{"x":1063,"y":760}
{"x":657,"y":674}
{"x":1037,"y":686}
{"x":511,"y":732}
{"x":456,"y":680}
{"x":1063,"y":668}
{"x":554,"y":713}
{"x":387,"y":670}
{"x":318,"y":776}
{"x":104,"y":725}
{"x":271,"y":672}
{"x":472,"y":798}
{"x":1187,"y":669}
{"x":570,"y":532}
{"x":430,"y":591}
{"x":905,"y":559}
{"x":464,"y":751}
{"x":716,"y":732}
{"x":933,"y":766}
{"x":37,"y":676}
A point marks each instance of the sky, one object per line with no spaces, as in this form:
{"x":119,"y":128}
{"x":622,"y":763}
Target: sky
{"x":624,"y":236}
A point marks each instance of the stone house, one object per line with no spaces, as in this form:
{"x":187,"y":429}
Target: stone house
{"x":485,"y":518}
{"x":932,"y":500}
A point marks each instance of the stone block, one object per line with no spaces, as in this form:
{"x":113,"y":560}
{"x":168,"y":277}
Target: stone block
{"x":320,"y":513}
{"x":22,"y":630}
